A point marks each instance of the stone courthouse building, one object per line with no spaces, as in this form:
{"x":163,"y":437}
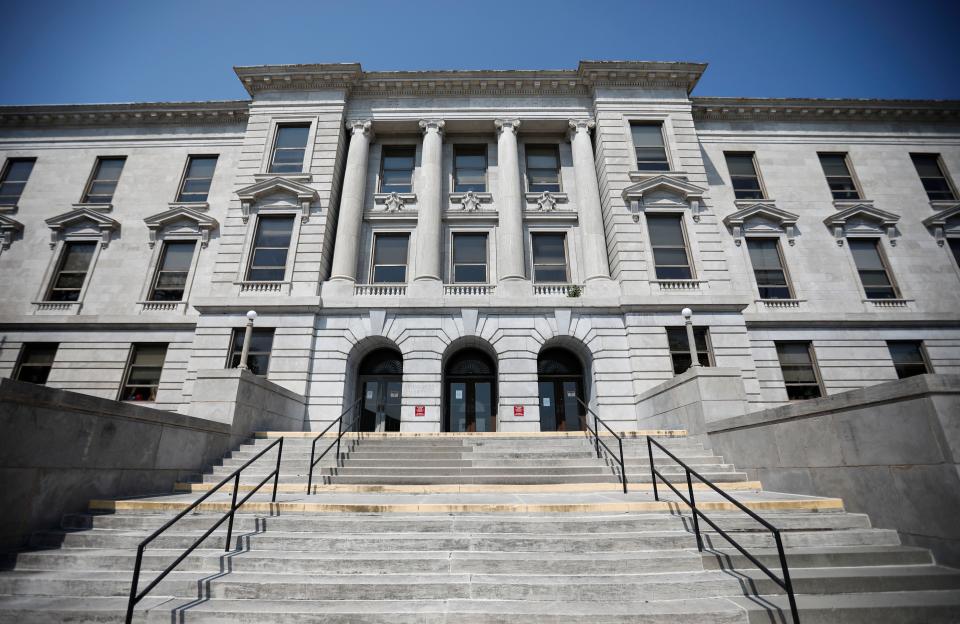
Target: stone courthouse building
{"x":471,"y":250}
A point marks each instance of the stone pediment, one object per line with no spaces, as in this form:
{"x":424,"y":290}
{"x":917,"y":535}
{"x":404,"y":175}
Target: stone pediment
{"x":663,"y":192}
{"x":944,"y":224}
{"x":8,"y":227}
{"x":181,"y":220}
{"x":862,"y":220}
{"x":761,"y":218}
{"x":81,"y":222}
{"x":277,"y":188}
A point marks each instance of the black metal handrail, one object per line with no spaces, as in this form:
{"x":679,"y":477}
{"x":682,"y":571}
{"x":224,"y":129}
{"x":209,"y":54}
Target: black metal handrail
{"x":597,"y":442}
{"x":340,"y":431}
{"x":235,"y":476}
{"x":785,"y":582}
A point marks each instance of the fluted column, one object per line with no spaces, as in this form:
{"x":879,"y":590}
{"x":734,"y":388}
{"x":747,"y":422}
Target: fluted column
{"x":595,"y":260}
{"x":350,"y":218}
{"x":509,"y":203}
{"x":429,"y":201}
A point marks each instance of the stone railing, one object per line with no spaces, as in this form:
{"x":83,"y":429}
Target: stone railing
{"x":468,"y":290}
{"x":557,"y":290}
{"x":679,"y":284}
{"x":57,"y":307}
{"x":780,"y":303}
{"x":380,"y":290}
{"x":161,"y":306}
{"x":265,"y":287}
{"x":888,"y":303}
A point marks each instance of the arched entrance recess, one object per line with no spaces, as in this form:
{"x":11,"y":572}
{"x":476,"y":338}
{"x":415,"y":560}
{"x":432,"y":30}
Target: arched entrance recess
{"x":470,"y":392}
{"x":380,"y":390}
{"x":560,"y":381}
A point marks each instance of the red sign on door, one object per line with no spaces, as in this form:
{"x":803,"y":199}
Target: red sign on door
{"x":518,"y":410}
{"x":419,"y":410}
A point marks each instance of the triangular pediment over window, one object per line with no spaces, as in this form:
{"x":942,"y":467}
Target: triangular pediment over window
{"x":8,"y":228}
{"x":945,"y":224}
{"x":862,"y":220}
{"x":181,"y":221}
{"x":82,"y":223}
{"x":664,"y":192}
{"x":761,"y":218}
{"x":277,"y":188}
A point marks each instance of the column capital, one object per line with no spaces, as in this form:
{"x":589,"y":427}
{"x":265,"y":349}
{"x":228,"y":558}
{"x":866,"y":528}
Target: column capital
{"x":581,"y":125}
{"x":360,"y":126}
{"x":426,"y":125}
{"x":503,"y":125}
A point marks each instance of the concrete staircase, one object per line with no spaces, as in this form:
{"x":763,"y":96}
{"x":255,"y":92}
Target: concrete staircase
{"x":474,"y":529}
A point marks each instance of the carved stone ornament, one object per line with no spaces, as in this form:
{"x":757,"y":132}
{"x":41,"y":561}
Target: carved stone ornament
{"x":8,"y":228}
{"x":470,"y":202}
{"x":546,"y":202}
{"x":580,"y":125}
{"x":506,"y":125}
{"x":426,"y":125}
{"x":360,"y":126}
{"x":393,"y":203}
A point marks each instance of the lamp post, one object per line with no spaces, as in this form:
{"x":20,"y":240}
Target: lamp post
{"x":691,"y":341}
{"x":247,"y":334}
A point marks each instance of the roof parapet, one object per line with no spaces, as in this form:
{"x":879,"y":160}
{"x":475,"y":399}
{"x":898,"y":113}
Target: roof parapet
{"x":823,"y":109}
{"x":190,"y":113}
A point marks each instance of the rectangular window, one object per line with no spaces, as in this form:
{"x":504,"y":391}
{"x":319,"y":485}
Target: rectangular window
{"x":872,"y":269}
{"x":289,"y":148}
{"x":258,"y":357}
{"x":470,"y":168}
{"x":680,"y":347}
{"x":72,"y":271}
{"x":396,"y":168}
{"x":931,"y":174}
{"x":197,"y":179}
{"x":142,"y":377}
{"x":799,"y":373}
{"x":543,"y":168}
{"x":268,"y":259}
{"x":908,"y":358}
{"x":549,"y":258}
{"x":14,"y":179}
{"x":171,"y":278}
{"x":470,"y":258}
{"x":106,"y":174}
{"x":390,"y":258}
{"x":669,"y":247}
{"x":648,"y":145}
{"x":743,"y":176}
{"x":36,"y":360}
{"x":839,"y":178}
{"x":955,"y":248}
{"x":768,"y":268}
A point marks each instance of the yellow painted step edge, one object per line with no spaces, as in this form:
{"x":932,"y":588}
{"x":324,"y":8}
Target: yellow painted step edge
{"x":457,"y":488}
{"x":669,"y":433}
{"x":821,"y":504}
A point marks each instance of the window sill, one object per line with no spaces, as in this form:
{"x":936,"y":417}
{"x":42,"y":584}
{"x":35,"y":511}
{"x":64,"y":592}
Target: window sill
{"x":57,"y":307}
{"x":679,"y":284}
{"x":468,"y":290}
{"x":97,"y":207}
{"x":777,"y":304}
{"x":200,"y":206}
{"x":379,"y":290}
{"x":269,"y":288}
{"x":162,"y":306}
{"x":888,"y":303}
{"x":557,"y":290}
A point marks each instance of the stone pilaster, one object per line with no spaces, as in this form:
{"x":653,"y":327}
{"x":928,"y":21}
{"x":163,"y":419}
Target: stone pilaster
{"x":350,"y":218}
{"x":429,"y":207}
{"x":510,"y":202}
{"x":596,"y":265}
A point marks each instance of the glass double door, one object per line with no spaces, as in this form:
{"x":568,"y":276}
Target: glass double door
{"x":559,"y":408}
{"x":470,"y":405}
{"x":380,"y":404}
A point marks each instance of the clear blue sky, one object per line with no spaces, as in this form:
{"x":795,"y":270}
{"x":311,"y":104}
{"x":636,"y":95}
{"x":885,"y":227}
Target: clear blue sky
{"x":166,"y":50}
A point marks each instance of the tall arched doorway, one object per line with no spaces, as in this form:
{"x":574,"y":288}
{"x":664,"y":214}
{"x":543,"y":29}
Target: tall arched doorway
{"x":560,"y":382}
{"x":380,"y":390}
{"x":470,"y":392}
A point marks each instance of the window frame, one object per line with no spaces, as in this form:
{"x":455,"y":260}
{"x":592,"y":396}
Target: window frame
{"x":708,"y":346}
{"x":373,"y":251}
{"x":386,"y":147}
{"x":526,"y":168}
{"x":183,"y":178}
{"x":15,"y":374}
{"x":5,"y":171}
{"x":568,"y":268}
{"x":91,"y":179}
{"x":756,"y":173}
{"x":275,"y":126}
{"x":848,"y":163}
{"x":811,"y":353}
{"x":60,"y":260}
{"x":943,"y":174}
{"x":231,"y":349}
{"x":665,"y":135}
{"x":783,"y":266}
{"x":480,"y":147}
{"x":128,"y":370}
{"x":691,"y":265}
{"x":157,"y":264}
{"x":924,"y":357}
{"x":452,"y":264}
{"x":884,"y":261}
{"x":252,"y":246}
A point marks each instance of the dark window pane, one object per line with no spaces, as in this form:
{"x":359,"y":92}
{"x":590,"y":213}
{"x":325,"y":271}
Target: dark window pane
{"x":665,"y":231}
{"x":547,"y":274}
{"x":258,"y":357}
{"x":265,"y":275}
{"x":390,"y":249}
{"x":470,"y":248}
{"x":292,"y":136}
{"x":680,"y":349}
{"x":177,"y":256}
{"x":931,"y":175}
{"x":548,"y":248}
{"x":389,"y":274}
{"x":143,"y":372}
{"x":866,"y":255}
{"x":799,"y":374}
{"x":838,"y":175}
{"x":673,"y":273}
{"x":873,"y":273}
{"x":767,"y":268}
{"x":396,"y":182}
{"x":269,"y":256}
{"x":648,"y":143}
{"x":907,"y":358}
{"x":289,"y":148}
{"x":109,"y":168}
{"x":834,"y":165}
{"x":104,"y":181}
{"x":263,"y":258}
{"x":741,"y":165}
{"x":647,"y":135}
{"x":543,"y":168}
{"x":72,"y":271}
{"x":15,"y":179}
{"x":69,"y":280}
{"x":540,"y":188}
{"x":201,"y":166}
{"x":36,"y":360}
{"x":470,"y":274}
{"x":274,"y":231}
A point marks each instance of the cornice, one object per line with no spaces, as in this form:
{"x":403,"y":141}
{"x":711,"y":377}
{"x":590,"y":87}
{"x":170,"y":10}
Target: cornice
{"x":180,"y":113}
{"x":820,"y":110}
{"x":307,"y":77}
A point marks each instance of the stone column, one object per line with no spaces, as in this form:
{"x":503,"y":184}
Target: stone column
{"x":595,"y":262}
{"x":429,"y":202}
{"x":510,"y":203}
{"x":350,"y":219}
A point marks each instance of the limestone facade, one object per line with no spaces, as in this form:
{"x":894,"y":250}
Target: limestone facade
{"x":611,"y":311}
